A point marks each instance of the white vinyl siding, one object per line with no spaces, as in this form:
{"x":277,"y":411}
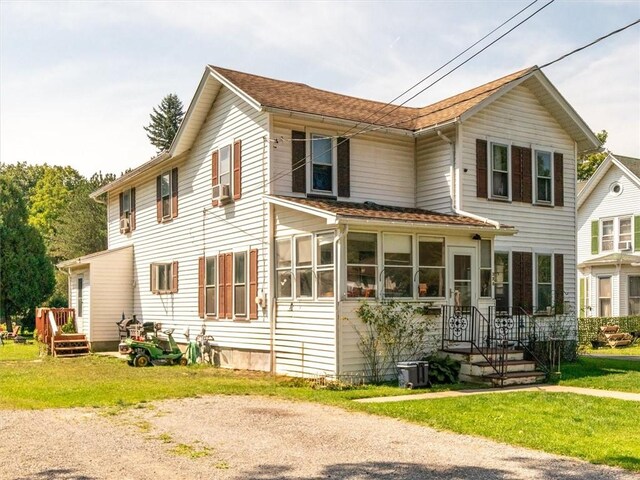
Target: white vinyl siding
{"x":434,"y":164}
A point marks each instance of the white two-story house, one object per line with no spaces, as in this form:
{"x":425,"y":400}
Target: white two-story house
{"x":609,"y":239}
{"x":279,"y":207}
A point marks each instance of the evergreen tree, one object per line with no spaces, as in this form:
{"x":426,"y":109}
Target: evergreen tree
{"x":165,"y":121}
{"x":588,"y":163}
{"x":26,"y":273}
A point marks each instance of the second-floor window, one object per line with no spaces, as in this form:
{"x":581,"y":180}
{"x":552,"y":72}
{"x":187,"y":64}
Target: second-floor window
{"x":127,"y":200}
{"x":167,"y":195}
{"x":616,"y":234}
{"x":322,"y":164}
{"x":499,"y":166}
{"x":543,"y":176}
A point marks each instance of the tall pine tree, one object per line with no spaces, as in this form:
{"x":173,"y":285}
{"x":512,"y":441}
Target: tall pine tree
{"x":165,"y":120}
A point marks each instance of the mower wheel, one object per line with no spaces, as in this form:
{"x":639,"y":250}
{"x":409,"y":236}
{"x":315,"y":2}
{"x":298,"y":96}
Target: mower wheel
{"x":183,"y":361}
{"x":141,"y":361}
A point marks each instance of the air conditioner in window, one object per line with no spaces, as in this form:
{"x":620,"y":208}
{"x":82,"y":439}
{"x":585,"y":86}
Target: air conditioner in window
{"x":221,"y":192}
{"x":626,"y":245}
{"x":125,"y":224}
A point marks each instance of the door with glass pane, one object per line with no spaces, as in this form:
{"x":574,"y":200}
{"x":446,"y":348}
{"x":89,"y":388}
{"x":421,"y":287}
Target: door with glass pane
{"x":462,"y":276}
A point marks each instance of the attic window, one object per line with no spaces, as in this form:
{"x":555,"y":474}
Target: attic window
{"x":615,"y":189}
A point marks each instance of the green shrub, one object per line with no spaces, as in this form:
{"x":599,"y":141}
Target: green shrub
{"x":442,"y":369}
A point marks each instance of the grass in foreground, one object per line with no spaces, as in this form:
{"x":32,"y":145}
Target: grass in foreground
{"x":598,"y":430}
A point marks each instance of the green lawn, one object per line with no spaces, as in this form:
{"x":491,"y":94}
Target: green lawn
{"x":635,"y":350}
{"x":599,"y":430}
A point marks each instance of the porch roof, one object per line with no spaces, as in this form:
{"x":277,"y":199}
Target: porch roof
{"x":369,"y":212}
{"x":612,"y":259}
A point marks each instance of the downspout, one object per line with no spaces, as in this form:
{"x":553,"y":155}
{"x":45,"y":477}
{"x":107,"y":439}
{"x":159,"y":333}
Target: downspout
{"x":455,"y":203}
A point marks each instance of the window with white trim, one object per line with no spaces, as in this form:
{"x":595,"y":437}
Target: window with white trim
{"x":544,"y":177}
{"x":322,"y":164}
{"x":431,"y":267}
{"x":362,"y":264}
{"x":624,"y":233}
{"x":634,"y":295}
{"x":324,"y":265}
{"x":398,"y":265}
{"x":604,"y":296}
{"x":162,"y":277}
{"x":240,"y":284}
{"x":544,"y":281}
{"x":165,"y":194}
{"x":485,"y":268}
{"x":304,"y":267}
{"x":283,"y":268}
{"x":617,"y":234}
{"x":210,"y":287}
{"x":501,"y":286}
{"x":224,"y":165}
{"x":499,"y":165}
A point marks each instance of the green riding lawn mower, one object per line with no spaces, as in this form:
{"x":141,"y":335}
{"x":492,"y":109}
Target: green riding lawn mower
{"x":145,"y":347}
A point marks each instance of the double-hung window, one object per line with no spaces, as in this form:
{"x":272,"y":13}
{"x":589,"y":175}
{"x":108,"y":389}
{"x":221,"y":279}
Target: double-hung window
{"x":224,"y":165}
{"x":499,"y":166}
{"x":624,"y":233}
{"x":240,"y":284}
{"x":604,"y":296}
{"x":164,"y":277}
{"x":544,"y":276}
{"x":362,"y":264}
{"x":608,"y":235}
{"x":211,"y":278}
{"x":322,"y":164}
{"x":502,"y":281}
{"x":304,"y":267}
{"x":431,"y":269}
{"x":324,"y":265}
{"x":398,"y":266}
{"x":165,"y":194}
{"x":544,"y":179}
{"x":617,"y":234}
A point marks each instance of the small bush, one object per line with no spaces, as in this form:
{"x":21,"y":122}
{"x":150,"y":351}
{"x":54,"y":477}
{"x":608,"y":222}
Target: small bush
{"x":442,"y":370}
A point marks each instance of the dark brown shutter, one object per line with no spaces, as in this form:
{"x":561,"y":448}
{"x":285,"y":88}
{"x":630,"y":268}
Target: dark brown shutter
{"x":132,"y":216}
{"x":152,"y":279}
{"x":174,"y":192}
{"x":522,"y":271}
{"x":159,"y":198}
{"x":527,"y":181}
{"x":121,"y":197}
{"x":558,"y":272}
{"x":481,"y":168}
{"x":174,"y":277}
{"x":237,"y":169}
{"x":214,"y":174}
{"x":298,"y":162}
{"x":228,"y":287}
{"x":344,"y":167}
{"x":516,"y":278}
{"x":201,"y":280}
{"x":222,"y":306}
{"x":558,"y":179}
{"x":516,"y":173}
{"x":253,"y":284}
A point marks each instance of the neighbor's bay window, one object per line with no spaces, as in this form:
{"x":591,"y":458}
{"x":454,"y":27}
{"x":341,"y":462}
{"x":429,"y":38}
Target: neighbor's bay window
{"x":398,"y":266}
{"x":604,"y":296}
{"x":362,"y":264}
{"x":431,"y":269}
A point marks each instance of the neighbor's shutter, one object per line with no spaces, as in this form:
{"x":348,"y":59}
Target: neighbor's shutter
{"x":516,"y":173}
{"x":298,"y":162}
{"x":174,"y":277}
{"x":481,"y":168}
{"x":159,"y":198}
{"x":237,"y":169}
{"x":152,"y":279}
{"x":581,"y":300}
{"x":559,"y":281}
{"x":636,"y":233}
{"x":558,"y":179}
{"x":253,"y":284}
{"x":132,"y":215}
{"x":174,"y":192}
{"x":214,"y":174}
{"x":201,"y":279}
{"x":595,"y":236}
{"x":527,"y":180}
{"x":344,"y":167}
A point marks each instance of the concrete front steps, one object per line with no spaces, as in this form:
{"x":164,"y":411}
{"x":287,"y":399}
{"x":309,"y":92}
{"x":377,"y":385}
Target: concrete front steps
{"x":476,"y":369}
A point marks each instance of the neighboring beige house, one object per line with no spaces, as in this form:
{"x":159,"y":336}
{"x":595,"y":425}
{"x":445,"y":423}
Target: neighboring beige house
{"x":609,"y":239}
{"x":279,"y":207}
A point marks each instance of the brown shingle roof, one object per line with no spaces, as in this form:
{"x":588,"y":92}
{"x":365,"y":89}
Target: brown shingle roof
{"x":298,"y":97}
{"x":631,"y":163}
{"x":376,"y":211}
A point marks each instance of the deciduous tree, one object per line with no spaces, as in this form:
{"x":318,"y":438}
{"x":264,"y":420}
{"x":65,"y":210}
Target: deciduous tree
{"x":588,"y":163}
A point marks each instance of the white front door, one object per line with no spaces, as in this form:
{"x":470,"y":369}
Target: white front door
{"x":462,"y":277}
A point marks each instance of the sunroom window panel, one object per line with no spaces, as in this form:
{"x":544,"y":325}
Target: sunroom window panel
{"x":361,"y":281}
{"x":431,"y":270}
{"x":398,"y":263}
{"x":362,"y":249}
{"x":304,"y":272}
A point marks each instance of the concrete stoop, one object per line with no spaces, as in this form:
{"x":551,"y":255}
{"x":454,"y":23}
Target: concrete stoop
{"x":476,"y":369}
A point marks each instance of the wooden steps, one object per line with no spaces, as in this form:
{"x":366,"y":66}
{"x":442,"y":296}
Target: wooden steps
{"x":70,"y":345}
{"x":476,"y":369}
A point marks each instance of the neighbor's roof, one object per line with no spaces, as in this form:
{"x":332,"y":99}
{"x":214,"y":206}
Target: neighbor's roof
{"x":633,"y":164}
{"x":375,"y":212}
{"x":612,"y":259}
{"x":299,"y":97}
{"x":628,"y":165}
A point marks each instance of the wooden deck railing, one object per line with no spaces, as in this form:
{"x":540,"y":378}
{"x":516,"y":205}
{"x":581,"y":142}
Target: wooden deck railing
{"x":43,"y":325}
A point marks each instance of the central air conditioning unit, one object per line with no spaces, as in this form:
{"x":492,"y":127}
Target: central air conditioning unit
{"x":626,"y":245}
{"x":221,"y":192}
{"x":125,"y":224}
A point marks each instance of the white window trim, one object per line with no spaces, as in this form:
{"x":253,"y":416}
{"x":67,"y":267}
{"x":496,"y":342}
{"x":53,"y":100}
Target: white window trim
{"x":169,"y":266}
{"x":383,"y":267}
{"x":598,"y":296}
{"x":376,"y":266}
{"x":509,"y":275}
{"x":481,"y":268}
{"x":79,"y":299}
{"x":418,"y":266}
{"x":284,"y":269}
{"x":244,"y":315}
{"x":629,"y":297}
{"x":167,"y":215}
{"x":616,"y":232}
{"x":551,"y":280}
{"x":334,"y":164}
{"x":215,"y":285}
{"x":534,"y":169}
{"x":497,"y":141}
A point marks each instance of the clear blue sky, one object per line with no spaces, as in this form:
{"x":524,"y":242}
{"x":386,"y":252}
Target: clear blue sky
{"x":79,"y":79}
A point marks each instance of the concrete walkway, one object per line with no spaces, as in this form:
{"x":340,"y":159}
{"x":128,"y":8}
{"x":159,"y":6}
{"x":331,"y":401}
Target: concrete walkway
{"x":634,"y":397}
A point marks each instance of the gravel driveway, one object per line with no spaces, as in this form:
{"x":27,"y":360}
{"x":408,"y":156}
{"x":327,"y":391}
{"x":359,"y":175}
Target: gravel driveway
{"x":242,"y":437}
